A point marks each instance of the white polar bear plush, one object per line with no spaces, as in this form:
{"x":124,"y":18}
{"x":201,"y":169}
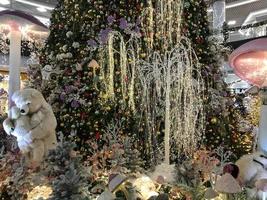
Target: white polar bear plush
{"x":252,"y":167}
{"x":19,"y":126}
{"x":32,"y":103}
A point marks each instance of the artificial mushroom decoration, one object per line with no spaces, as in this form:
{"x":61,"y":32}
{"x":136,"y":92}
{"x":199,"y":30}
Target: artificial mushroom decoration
{"x":93,"y":64}
{"x":249,"y":62}
{"x":106,"y":195}
{"x":144,"y":186}
{"x":210,"y":194}
{"x":231,"y":169}
{"x":115,"y":180}
{"x":114,"y":185}
{"x":227,"y":185}
{"x":19,"y":24}
{"x":261,"y":185}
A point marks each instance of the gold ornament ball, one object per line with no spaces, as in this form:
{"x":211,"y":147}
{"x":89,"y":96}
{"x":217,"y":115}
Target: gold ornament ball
{"x":213,"y":120}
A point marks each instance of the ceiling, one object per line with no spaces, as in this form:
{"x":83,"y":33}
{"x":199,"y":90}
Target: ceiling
{"x":240,"y":11}
{"x":251,"y":11}
{"x":38,"y":8}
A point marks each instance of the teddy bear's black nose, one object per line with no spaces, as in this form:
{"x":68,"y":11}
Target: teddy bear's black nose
{"x":12,"y":129}
{"x":22,"y":111}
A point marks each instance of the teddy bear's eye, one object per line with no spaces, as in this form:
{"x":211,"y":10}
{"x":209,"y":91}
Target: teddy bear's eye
{"x":28,"y":103}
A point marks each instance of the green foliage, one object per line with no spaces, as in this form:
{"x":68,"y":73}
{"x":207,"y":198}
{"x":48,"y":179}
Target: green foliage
{"x":187,"y":174}
{"x":196,"y":192}
{"x":133,"y":160}
{"x":79,"y":103}
{"x":222,"y":116}
{"x":69,"y":177}
{"x":35,"y":77}
{"x":16,"y":180}
{"x":242,"y":196}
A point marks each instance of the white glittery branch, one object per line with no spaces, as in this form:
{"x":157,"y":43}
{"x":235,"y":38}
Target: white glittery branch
{"x":177,"y":95}
{"x":111,"y":66}
{"x":123,"y":67}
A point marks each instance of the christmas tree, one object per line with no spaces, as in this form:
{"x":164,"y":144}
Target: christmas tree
{"x":111,"y":57}
{"x":69,"y":179}
{"x":222,"y":115}
{"x":106,"y":87}
{"x":84,"y":99}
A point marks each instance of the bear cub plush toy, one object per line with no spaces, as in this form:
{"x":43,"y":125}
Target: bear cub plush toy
{"x":19,"y":126}
{"x":34,"y":126}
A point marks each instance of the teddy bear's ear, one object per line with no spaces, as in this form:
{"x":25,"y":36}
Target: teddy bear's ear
{"x":15,"y":95}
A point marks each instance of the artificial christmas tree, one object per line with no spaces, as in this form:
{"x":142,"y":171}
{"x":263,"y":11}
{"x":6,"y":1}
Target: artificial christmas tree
{"x":107,"y":54}
{"x":85,"y":94}
{"x":110,"y":55}
{"x":68,"y":178}
{"x":222,"y":115}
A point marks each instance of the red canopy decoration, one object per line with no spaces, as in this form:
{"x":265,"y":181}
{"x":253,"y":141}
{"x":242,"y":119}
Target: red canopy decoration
{"x":249,"y":62}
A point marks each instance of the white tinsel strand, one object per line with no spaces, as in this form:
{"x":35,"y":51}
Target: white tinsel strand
{"x":132,"y":81}
{"x":102,"y":73}
{"x":123,"y":66}
{"x":150,"y":27}
{"x":145,"y":90}
{"x":192,"y":109}
{"x":162,"y":20}
{"x":128,"y":50}
{"x":167,"y":114}
{"x":179,"y":92}
{"x":111,"y":66}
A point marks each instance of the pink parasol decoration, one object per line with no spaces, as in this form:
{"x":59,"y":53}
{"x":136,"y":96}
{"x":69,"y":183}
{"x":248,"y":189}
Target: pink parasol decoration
{"x":249,"y":62}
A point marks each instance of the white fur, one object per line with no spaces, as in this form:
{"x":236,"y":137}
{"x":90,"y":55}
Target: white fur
{"x":250,"y":171}
{"x":39,"y":117}
{"x":20,"y":127}
{"x":33,"y":102}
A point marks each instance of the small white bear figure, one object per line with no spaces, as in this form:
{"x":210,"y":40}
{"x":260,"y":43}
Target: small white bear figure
{"x":32,"y":103}
{"x":19,"y":126}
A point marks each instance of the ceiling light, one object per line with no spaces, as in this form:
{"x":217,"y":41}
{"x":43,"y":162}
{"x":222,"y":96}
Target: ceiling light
{"x":41,"y":9}
{"x":5,"y":2}
{"x":254,"y":13}
{"x":236,"y":4}
{"x":231,"y":22}
{"x":240,"y":3}
{"x":34,"y":4}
